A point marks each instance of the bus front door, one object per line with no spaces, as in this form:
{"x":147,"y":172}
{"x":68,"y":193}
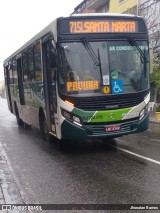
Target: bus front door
{"x":7,"y":82}
{"x":49,"y":88}
{"x":20,"y":81}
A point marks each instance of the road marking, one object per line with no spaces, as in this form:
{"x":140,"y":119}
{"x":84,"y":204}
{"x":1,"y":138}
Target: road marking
{"x":135,"y":154}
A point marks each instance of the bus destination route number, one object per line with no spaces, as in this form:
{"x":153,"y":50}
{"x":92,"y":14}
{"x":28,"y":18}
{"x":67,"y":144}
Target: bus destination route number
{"x":103,"y":26}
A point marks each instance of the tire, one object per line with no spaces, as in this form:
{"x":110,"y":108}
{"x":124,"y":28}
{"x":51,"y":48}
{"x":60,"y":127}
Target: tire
{"x":27,"y":126}
{"x":19,"y":120}
{"x":44,"y":128}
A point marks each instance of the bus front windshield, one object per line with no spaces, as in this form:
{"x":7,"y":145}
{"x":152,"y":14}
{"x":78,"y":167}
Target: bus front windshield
{"x":103,"y":67}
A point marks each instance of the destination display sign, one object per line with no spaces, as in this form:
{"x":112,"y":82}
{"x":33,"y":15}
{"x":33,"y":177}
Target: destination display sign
{"x":99,"y":25}
{"x":91,"y":26}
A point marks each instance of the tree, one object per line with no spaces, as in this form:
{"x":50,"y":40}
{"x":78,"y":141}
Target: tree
{"x":155,"y":78}
{"x":150,"y":9}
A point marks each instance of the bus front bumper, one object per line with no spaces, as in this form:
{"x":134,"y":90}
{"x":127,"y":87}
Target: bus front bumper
{"x":72,"y":131}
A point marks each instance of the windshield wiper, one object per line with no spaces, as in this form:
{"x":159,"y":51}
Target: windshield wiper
{"x":132,"y":42}
{"x":142,"y":54}
{"x":94,"y":57}
{"x":91,"y":52}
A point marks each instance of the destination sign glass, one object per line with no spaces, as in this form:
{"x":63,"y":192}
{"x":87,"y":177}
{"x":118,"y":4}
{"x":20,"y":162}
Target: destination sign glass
{"x":102,"y":26}
{"x":77,"y":26}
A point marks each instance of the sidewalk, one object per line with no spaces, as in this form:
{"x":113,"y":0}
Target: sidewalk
{"x":152,"y":118}
{"x":2,"y":201}
{"x":2,"y":198}
{"x":9,"y":191}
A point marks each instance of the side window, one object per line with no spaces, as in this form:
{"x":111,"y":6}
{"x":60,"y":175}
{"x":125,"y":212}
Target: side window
{"x":14,"y":68}
{"x":25,"y":68}
{"x":30,"y":65}
{"x":37,"y":61}
{"x":6,"y":73}
{"x":10,"y":71}
{"x":52,"y":67}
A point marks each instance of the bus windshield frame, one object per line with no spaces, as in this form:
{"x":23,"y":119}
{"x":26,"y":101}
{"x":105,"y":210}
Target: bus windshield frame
{"x":103,"y":67}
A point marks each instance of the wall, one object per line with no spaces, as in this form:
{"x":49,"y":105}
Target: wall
{"x":122,"y":6}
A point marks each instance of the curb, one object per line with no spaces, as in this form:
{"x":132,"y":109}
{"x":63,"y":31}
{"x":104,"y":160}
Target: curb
{"x":2,"y":200}
{"x":9,"y":191}
{"x":154,"y":121}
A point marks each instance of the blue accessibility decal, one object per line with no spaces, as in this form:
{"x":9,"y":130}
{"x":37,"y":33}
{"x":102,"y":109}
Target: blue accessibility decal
{"x":117,"y":86}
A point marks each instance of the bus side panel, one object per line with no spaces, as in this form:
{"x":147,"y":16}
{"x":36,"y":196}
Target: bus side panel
{"x":29,"y":112}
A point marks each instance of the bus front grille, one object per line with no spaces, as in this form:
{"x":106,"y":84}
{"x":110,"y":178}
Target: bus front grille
{"x":99,"y":129}
{"x":101,"y":103}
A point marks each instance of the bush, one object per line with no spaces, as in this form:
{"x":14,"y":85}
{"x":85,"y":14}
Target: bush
{"x":158,"y":108}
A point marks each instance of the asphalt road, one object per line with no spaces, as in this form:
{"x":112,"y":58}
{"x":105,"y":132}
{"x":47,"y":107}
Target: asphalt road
{"x":125,"y":170}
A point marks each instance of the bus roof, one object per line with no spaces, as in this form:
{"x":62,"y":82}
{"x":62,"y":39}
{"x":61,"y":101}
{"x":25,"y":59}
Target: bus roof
{"x":103,"y":14}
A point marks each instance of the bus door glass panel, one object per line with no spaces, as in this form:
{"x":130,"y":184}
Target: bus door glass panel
{"x":25,"y":68}
{"x":52,"y":69}
{"x":10,"y":73}
{"x":18,"y":74}
{"x":38,"y":74}
{"x":30,"y":89}
{"x":7,"y":81}
{"x":50,"y":83}
{"x":25,"y":74}
{"x":30,"y":65}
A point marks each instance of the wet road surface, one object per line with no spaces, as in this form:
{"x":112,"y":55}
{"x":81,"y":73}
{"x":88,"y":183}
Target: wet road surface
{"x":86,"y":172}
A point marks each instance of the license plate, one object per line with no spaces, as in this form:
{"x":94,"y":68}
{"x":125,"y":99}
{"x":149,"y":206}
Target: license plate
{"x":112,"y":128}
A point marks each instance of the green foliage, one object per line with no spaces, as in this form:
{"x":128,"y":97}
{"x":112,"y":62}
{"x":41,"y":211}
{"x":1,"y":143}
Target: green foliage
{"x":158,"y":108}
{"x":155,"y":77}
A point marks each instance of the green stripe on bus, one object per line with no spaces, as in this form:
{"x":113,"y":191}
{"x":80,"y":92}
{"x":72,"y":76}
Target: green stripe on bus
{"x":101,"y":116}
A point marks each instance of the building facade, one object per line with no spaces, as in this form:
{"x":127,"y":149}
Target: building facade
{"x":112,"y":6}
{"x":124,"y":6}
{"x":150,"y":10}
{"x":92,"y":6}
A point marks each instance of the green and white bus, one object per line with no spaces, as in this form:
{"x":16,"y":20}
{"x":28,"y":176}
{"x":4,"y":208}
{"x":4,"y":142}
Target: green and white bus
{"x":83,"y":76}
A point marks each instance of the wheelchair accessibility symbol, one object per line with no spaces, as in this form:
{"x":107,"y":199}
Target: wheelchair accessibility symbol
{"x":117,"y":86}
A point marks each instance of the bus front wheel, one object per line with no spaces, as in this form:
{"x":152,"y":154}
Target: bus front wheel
{"x":44,"y":128}
{"x":19,"y":120}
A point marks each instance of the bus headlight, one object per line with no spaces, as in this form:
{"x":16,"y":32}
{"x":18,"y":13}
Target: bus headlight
{"x":69,"y":116}
{"x":143,"y":112}
{"x":76,"y":119}
{"x":66,"y":114}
